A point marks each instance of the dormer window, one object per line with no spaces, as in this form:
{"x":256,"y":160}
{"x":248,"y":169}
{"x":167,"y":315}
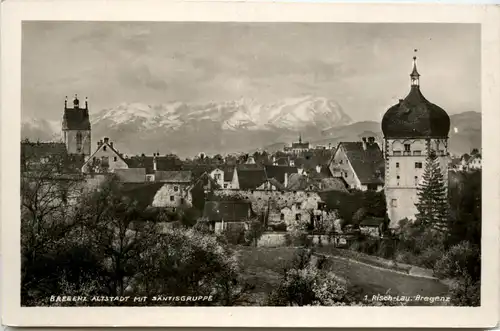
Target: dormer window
{"x":104,"y":148}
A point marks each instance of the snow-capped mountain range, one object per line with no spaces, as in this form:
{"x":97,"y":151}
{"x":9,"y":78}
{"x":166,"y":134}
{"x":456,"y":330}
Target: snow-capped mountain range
{"x":292,"y":114}
{"x":216,"y":127}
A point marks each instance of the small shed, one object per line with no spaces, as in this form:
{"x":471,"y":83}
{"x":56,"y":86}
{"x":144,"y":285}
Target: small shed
{"x":372,"y":226}
{"x":221,"y":213}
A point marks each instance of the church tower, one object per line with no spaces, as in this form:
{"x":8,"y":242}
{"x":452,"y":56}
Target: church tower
{"x":413,"y":128}
{"x":76,"y":128}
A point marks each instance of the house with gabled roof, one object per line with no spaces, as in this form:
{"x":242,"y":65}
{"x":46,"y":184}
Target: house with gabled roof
{"x":221,"y":214}
{"x":360,"y":164}
{"x":175,"y":192}
{"x":280,"y":173}
{"x":223,"y":175}
{"x":248,"y":176}
{"x":105,"y":159}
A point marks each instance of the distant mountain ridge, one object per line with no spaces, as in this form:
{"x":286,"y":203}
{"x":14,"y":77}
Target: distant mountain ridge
{"x":235,"y":126}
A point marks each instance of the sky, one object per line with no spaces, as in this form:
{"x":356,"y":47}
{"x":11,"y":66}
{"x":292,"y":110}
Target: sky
{"x":364,"y":67}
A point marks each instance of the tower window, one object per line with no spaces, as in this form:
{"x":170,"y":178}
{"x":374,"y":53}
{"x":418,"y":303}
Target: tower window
{"x":104,"y":148}
{"x":79,"y":140}
{"x":171,"y":198}
{"x":418,"y":165}
{"x":416,"y":180}
{"x":407,"y":147}
{"x":397,"y":164}
{"x":115,"y":159}
{"x":397,"y":177}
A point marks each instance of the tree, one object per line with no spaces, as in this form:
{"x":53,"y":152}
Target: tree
{"x":253,"y":231}
{"x":184,"y":262}
{"x":433,"y":205}
{"x":465,"y":209}
{"x":47,"y":198}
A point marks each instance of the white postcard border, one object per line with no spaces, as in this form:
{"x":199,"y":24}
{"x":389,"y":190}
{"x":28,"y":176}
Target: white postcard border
{"x":14,"y":12}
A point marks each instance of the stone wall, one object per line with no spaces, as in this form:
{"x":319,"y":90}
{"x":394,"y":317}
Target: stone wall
{"x":278,"y":239}
{"x":275,"y":200}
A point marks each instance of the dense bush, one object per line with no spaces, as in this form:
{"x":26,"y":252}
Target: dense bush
{"x":463,"y":258}
{"x":309,"y":282}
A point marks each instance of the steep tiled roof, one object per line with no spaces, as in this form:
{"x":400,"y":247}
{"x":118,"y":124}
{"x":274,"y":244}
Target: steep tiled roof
{"x":168,"y":163}
{"x":333,"y":184}
{"x":144,"y":193}
{"x":297,"y":182}
{"x":145,"y":162}
{"x":278,"y":172}
{"x":163,"y":163}
{"x":104,"y":145}
{"x":198,"y":169}
{"x":276,"y":184}
{"x":131,"y":175}
{"x":250,"y":176}
{"x":173,"y":176}
{"x":227,"y":210}
{"x":76,"y":119}
{"x":367,"y":164}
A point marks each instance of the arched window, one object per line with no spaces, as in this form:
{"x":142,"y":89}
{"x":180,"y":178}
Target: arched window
{"x":79,"y":141}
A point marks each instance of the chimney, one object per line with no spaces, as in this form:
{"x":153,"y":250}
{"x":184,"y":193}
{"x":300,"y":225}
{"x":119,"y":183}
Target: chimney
{"x":106,"y":140}
{"x":364,"y":143}
{"x":285,"y":183}
{"x":371,"y":140}
{"x":155,"y":167}
{"x":111,"y":144}
{"x":318,"y":169}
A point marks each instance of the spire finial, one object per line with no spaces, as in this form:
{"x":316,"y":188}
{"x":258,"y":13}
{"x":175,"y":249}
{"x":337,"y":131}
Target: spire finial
{"x":76,"y":102}
{"x":66,"y":102}
{"x":415,"y":76}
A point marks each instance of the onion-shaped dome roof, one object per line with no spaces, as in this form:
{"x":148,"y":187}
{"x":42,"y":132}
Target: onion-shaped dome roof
{"x":415,"y":116}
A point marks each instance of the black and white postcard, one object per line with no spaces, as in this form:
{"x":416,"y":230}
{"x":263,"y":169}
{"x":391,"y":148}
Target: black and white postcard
{"x":180,"y":164}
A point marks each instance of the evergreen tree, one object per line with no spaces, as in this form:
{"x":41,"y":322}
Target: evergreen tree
{"x":432,"y":195}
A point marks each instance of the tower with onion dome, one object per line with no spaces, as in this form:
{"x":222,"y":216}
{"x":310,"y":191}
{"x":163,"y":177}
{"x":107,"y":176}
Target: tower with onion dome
{"x":413,"y":128}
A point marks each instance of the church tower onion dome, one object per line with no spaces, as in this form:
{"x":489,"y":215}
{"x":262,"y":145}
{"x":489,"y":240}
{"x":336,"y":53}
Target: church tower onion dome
{"x":414,"y":116}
